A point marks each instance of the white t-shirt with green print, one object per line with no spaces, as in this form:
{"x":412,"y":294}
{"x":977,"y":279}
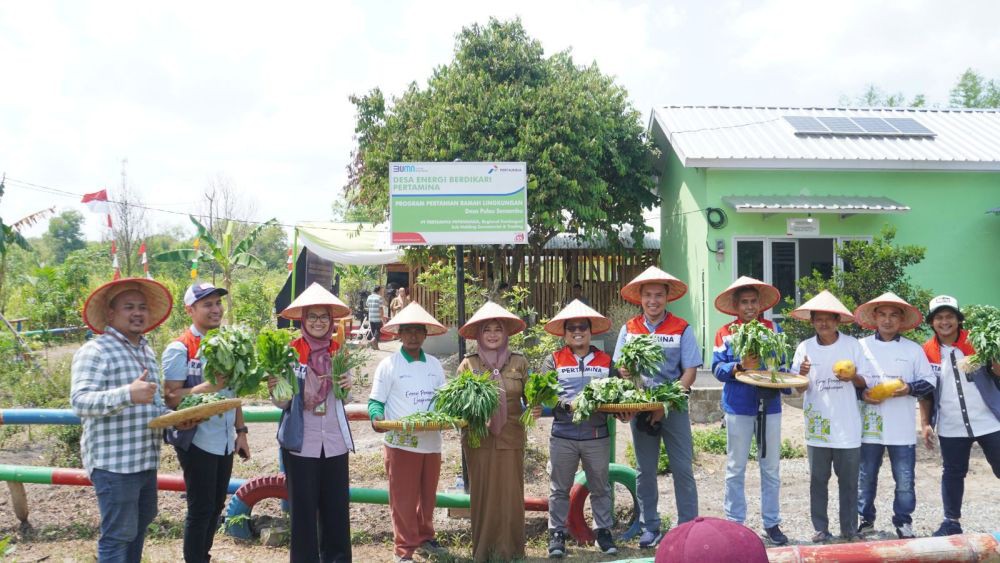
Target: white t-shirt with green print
{"x":831,"y":406}
{"x":407,"y":387}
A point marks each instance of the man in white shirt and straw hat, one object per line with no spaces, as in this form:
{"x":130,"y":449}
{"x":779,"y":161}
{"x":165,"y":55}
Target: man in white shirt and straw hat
{"x":834,"y":363}
{"x":115,"y":394}
{"x":405,"y":383}
{"x":889,"y":423}
{"x":652,"y":290}
{"x":589,"y":442}
{"x":751,"y":412}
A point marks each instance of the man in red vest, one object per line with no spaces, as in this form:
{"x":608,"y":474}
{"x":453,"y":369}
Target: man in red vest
{"x":652,"y":290}
{"x":206,"y":452}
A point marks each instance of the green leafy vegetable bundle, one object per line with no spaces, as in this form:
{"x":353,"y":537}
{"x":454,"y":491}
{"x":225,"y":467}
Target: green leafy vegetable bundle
{"x":197,"y":399}
{"x":275,"y":357}
{"x":640,"y":355}
{"x":540,"y":389}
{"x":671,"y":394}
{"x":602,"y":391}
{"x":755,"y":339}
{"x":342,"y":362}
{"x":471,"y":397}
{"x":417,"y":419}
{"x":229,"y":351}
{"x":983,"y":323}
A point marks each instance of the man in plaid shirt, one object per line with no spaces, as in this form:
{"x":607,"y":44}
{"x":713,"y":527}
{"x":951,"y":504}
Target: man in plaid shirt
{"x":115,"y":395}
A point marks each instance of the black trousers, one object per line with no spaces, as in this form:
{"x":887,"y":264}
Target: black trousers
{"x":319,"y":499}
{"x":206,"y":477}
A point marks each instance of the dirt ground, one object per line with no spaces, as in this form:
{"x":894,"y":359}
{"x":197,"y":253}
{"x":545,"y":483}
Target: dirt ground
{"x":63,"y":521}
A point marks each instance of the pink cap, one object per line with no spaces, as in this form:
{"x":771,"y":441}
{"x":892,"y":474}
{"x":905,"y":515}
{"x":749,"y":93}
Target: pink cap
{"x":710,"y":540}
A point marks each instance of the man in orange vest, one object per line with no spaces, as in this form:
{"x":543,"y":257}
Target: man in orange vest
{"x":206,"y":452}
{"x":652,"y":290}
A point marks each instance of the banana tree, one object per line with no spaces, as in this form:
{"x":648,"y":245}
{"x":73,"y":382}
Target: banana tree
{"x":227,"y":257}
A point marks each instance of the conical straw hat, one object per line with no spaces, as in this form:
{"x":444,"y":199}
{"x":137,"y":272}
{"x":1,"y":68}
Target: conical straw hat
{"x":864,"y":315}
{"x":315,"y":296}
{"x":159,"y":302}
{"x":675,"y":287}
{"x":491,"y":312}
{"x":414,"y":314}
{"x":824,"y":302}
{"x":577,"y":310}
{"x":769,"y":296}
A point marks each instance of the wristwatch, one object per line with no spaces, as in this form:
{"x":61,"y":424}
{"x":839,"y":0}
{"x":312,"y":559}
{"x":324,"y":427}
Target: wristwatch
{"x":242,"y":430}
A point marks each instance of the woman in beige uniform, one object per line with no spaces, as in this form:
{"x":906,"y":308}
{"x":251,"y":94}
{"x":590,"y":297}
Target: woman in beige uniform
{"x":496,"y":467}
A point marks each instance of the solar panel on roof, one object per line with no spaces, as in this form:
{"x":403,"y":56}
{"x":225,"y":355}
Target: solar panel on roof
{"x":841,"y":125}
{"x":875,"y":126}
{"x":909,"y":126}
{"x":806,"y":124}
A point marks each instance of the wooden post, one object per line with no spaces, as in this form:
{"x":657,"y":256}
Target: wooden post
{"x":19,"y":499}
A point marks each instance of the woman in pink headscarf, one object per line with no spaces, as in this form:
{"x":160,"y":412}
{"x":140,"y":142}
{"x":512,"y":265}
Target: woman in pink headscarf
{"x":315,"y":437}
{"x":496,"y":467}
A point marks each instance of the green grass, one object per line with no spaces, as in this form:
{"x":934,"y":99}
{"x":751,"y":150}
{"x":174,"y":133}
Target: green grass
{"x":713,"y":441}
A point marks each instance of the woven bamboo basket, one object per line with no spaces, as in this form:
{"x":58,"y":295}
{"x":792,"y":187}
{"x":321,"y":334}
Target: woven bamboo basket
{"x":762,"y":378}
{"x":200,"y":412}
{"x":629,"y":407}
{"x":416,"y":427}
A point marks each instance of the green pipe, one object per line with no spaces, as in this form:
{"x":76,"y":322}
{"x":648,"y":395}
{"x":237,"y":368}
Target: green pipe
{"x":295,"y":261}
{"x":381,"y":496}
{"x":261,"y":414}
{"x":26,"y":474}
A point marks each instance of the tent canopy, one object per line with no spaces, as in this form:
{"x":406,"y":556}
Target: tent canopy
{"x":360,"y":244}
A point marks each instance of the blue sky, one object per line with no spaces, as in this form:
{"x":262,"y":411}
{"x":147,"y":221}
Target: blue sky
{"x":258,"y":92}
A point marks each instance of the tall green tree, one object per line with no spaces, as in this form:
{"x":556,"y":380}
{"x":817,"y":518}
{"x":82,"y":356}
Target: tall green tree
{"x":503,"y":99}
{"x":228,"y":255}
{"x":973,"y":91}
{"x":64,"y":234}
{"x":271,"y":247}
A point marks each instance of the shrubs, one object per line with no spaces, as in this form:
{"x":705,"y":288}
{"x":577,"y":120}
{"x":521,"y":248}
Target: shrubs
{"x":713,"y":441}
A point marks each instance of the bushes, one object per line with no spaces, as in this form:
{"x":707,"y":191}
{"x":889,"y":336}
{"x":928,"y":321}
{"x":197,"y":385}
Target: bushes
{"x":713,"y":441}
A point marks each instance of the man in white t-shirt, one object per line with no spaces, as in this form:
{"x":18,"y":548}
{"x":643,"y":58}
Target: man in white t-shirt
{"x":889,"y":423}
{"x":405,"y":383}
{"x":833,"y":418}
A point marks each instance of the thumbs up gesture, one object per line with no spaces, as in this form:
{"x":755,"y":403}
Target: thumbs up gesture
{"x":805,"y":367}
{"x":142,"y":392}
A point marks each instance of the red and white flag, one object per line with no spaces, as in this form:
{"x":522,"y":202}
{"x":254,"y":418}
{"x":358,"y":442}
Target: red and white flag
{"x":145,"y":260}
{"x":97,"y":202}
{"x":114,"y":261}
{"x":289,"y":262}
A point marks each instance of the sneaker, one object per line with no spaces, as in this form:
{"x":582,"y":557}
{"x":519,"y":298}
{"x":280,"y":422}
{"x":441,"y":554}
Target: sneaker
{"x":905,"y":532}
{"x":948,"y":528}
{"x":822,"y":537}
{"x":430,"y":547}
{"x":775,"y":536}
{"x":557,"y":545}
{"x":606,"y":542}
{"x":866,"y":527}
{"x":650,"y":538}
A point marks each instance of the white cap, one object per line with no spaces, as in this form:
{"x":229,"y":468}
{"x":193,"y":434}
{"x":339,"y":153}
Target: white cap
{"x":198,"y":291}
{"x":942,"y":301}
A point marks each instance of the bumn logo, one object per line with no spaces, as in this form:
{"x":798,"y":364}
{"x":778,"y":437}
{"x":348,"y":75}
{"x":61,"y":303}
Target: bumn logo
{"x":404,"y":168}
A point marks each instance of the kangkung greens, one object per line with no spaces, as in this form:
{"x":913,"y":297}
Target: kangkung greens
{"x":229,"y":351}
{"x":640,"y":356}
{"x":540,"y":389}
{"x":275,"y":357}
{"x":771,"y":348}
{"x":473,"y":398}
{"x":198,"y":399}
{"x":614,"y":390}
{"x":340,"y":363}
{"x":983,"y":323}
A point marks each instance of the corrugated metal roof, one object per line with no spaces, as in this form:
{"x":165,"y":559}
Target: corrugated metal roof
{"x":844,"y":205}
{"x":995,"y":211}
{"x":758,"y":137}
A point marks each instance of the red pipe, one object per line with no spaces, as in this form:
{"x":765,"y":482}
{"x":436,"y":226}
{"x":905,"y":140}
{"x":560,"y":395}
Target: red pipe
{"x":948,"y":549}
{"x":78,"y":478}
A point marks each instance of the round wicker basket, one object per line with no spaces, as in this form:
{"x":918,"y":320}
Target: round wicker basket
{"x":200,"y":412}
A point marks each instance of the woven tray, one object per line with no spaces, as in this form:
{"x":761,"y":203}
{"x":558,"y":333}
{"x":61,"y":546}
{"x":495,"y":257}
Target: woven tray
{"x":761,"y":378}
{"x":200,"y":412}
{"x":629,"y":407}
{"x":416,"y":427}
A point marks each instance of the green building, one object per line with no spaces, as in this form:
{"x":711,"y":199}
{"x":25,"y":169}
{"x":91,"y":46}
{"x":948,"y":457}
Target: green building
{"x":767,"y":191}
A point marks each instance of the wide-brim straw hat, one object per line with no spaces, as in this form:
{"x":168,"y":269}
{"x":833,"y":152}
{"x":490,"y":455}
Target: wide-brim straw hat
{"x":768,"y":295}
{"x":864,"y":315}
{"x":824,"y":302}
{"x":414,"y":314}
{"x":633,"y":290}
{"x":512,"y":324}
{"x":159,"y":302}
{"x":315,"y":296}
{"x":577,"y":310}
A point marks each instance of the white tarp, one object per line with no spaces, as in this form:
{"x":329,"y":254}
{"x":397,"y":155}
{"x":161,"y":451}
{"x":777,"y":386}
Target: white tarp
{"x":360,"y":244}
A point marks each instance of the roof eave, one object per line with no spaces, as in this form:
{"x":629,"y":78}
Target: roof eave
{"x":829,"y":164}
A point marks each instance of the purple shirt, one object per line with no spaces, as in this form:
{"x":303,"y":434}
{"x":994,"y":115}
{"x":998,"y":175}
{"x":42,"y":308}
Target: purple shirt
{"x":321,"y":434}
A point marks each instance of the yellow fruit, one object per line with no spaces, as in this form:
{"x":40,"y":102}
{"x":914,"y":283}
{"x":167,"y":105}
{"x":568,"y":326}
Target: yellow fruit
{"x":844,"y":369}
{"x":885,"y":389}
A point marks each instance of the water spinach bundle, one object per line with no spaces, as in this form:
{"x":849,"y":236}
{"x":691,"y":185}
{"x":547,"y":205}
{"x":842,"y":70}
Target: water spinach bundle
{"x":418,"y":420}
{"x":276,"y":358}
{"x":473,"y":398}
{"x":198,"y":399}
{"x":983,"y":323}
{"x":540,"y":389}
{"x":603,"y":391}
{"x":640,"y":356}
{"x":340,"y":363}
{"x":755,"y":339}
{"x":671,"y":394}
{"x":229,"y":351}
